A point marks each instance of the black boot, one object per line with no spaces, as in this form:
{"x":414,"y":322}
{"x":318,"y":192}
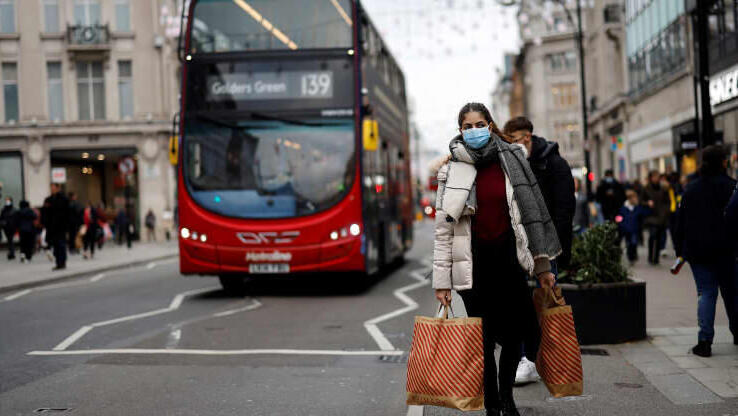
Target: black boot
{"x":735,"y":339}
{"x":509,"y":408}
{"x":703,"y":349}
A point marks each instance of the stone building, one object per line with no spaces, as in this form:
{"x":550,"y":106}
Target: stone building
{"x":89,"y":91}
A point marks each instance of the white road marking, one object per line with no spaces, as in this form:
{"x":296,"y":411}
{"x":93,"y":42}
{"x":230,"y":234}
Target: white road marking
{"x":371,"y":325}
{"x":16,"y":295}
{"x":151,"y":265}
{"x":216,"y":352}
{"x":175,"y":304}
{"x":97,"y":277}
{"x":415,"y":411}
{"x":174,"y":336}
{"x":255,"y":304}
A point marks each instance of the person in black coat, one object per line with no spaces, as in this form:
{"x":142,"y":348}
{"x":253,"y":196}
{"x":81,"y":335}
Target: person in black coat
{"x":76,"y":212}
{"x":27,"y":230}
{"x":8,"y":220}
{"x":731,"y":219}
{"x":58,"y":225}
{"x":557,"y":187}
{"x":610,"y":195}
{"x":703,"y":240}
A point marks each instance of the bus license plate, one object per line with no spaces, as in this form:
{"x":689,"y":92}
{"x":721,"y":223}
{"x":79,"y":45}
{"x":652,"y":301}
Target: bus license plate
{"x":269,"y":268}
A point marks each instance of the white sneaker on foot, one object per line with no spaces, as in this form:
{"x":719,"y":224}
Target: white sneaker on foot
{"x":526,"y":372}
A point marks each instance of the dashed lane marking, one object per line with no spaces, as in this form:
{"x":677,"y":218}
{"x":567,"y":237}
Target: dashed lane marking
{"x":98,"y":277}
{"x":16,"y":295}
{"x":216,"y":352}
{"x":371,"y":325}
{"x":175,"y":304}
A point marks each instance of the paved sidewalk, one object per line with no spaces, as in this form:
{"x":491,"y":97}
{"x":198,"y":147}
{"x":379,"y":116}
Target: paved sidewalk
{"x":15,"y":275}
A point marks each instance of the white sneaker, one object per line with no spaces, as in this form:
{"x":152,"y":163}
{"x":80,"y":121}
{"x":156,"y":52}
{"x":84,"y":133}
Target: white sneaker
{"x":526,"y":372}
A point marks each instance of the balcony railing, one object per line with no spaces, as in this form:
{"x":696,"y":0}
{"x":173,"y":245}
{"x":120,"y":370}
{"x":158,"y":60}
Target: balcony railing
{"x":93,"y":37}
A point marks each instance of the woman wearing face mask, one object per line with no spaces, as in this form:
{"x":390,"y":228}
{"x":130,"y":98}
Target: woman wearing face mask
{"x":492,"y":230}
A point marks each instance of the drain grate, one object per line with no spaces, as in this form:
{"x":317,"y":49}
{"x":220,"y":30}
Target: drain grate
{"x":394,"y":359}
{"x":594,"y":351}
{"x":629,"y":385}
{"x":52,"y":410}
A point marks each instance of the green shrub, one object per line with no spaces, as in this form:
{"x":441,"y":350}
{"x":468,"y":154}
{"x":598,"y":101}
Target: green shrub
{"x":596,"y":257}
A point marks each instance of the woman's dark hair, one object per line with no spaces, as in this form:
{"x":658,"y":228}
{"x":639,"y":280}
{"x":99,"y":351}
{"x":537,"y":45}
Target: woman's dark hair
{"x":713,"y":158}
{"x":24,"y":204}
{"x":482,"y":109}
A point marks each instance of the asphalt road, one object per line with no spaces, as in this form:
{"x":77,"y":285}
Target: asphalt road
{"x":296,"y":346}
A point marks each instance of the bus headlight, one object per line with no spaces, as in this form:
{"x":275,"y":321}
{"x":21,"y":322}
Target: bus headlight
{"x":354,"y":229}
{"x":334,"y":235}
{"x":185,"y":232}
{"x":203,"y":238}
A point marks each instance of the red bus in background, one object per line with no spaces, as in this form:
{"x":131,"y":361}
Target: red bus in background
{"x":293,"y":141}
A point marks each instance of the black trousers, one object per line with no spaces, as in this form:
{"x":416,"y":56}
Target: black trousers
{"x":27,"y":243}
{"x":501,"y":297}
{"x":11,"y":244}
{"x":655,"y":235}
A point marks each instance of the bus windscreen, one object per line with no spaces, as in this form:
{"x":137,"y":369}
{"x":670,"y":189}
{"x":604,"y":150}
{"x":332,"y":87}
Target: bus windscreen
{"x":250,"y":25}
{"x":268,"y":168}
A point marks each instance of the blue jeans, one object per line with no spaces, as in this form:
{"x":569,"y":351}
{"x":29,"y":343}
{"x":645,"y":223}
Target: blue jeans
{"x":709,"y":277}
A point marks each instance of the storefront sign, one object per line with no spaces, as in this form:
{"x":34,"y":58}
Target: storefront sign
{"x":58,"y":175}
{"x":724,"y":86}
{"x":126,"y":166}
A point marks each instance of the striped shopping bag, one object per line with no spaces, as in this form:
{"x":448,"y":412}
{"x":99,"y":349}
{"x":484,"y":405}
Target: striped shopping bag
{"x":559,"y":360}
{"x":446,"y":363}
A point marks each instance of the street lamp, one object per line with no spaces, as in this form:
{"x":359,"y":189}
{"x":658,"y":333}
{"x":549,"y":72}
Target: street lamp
{"x":582,"y":83}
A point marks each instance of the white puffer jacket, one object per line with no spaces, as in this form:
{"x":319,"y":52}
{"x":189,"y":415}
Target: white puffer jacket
{"x":452,"y":252}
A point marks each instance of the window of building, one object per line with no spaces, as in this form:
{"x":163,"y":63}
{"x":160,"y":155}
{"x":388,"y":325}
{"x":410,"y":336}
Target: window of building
{"x":11,"y":176}
{"x":51,"y":16}
{"x":612,"y":13}
{"x":55,"y":91}
{"x":87,"y":12}
{"x":7,"y":16}
{"x":125,"y":89}
{"x":122,"y":15}
{"x":91,"y":90}
{"x":564,"y":95}
{"x":562,"y":61}
{"x":10,"y":91}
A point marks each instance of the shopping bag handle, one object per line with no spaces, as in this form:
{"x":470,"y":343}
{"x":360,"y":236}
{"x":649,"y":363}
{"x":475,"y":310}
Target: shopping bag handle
{"x":445,"y":309}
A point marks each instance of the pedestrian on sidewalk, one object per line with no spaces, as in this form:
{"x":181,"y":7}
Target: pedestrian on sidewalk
{"x":657,"y":199}
{"x":703,"y":240}
{"x":553,"y":174}
{"x":27,"y":230}
{"x":9,"y":225}
{"x":581,"y":210}
{"x":485,"y":252}
{"x":58,"y":226}
{"x":629,"y":220}
{"x":75,"y":222}
{"x":91,"y":233}
{"x":150,"y":222}
{"x":610,"y":195}
{"x":124,"y":227}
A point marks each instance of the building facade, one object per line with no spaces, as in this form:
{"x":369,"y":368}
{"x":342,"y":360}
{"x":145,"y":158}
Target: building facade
{"x":606,"y":89}
{"x":660,"y":111}
{"x":550,"y":77}
{"x":89,"y":91}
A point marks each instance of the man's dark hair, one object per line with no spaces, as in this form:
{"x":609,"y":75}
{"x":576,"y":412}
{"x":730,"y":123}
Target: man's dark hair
{"x":609,"y":172}
{"x":713,"y":158}
{"x":518,"y":124}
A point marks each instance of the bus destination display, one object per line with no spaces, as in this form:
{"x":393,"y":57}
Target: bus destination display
{"x":270,"y":86}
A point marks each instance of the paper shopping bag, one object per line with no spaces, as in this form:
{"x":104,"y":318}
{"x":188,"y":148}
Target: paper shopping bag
{"x":559,"y":360}
{"x":446,"y":363}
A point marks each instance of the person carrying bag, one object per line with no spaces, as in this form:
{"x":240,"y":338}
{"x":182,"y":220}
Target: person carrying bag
{"x":446,"y":363}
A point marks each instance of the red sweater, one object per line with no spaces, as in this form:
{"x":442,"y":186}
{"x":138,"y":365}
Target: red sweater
{"x":492,"y":219}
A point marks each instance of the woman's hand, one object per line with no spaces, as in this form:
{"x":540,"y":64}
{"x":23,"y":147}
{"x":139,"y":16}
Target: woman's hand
{"x":547,"y":279}
{"x":444,"y":296}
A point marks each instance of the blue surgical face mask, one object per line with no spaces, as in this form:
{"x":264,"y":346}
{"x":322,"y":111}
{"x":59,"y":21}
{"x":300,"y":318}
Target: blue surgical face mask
{"x":476,"y":138}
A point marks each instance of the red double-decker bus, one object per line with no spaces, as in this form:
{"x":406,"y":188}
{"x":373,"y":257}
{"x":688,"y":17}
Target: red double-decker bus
{"x":294,"y":151}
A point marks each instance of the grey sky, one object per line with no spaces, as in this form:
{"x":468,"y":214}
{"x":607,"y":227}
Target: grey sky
{"x":449,"y":50}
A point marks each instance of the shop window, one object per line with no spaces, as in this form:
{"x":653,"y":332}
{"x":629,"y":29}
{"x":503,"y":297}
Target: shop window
{"x":55,"y":91}
{"x":122,"y":15}
{"x":11,"y":176}
{"x":7,"y":16}
{"x":87,"y":12}
{"x":10,"y":91}
{"x":91,"y":90}
{"x":125,"y":89}
{"x":51,"y":16}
